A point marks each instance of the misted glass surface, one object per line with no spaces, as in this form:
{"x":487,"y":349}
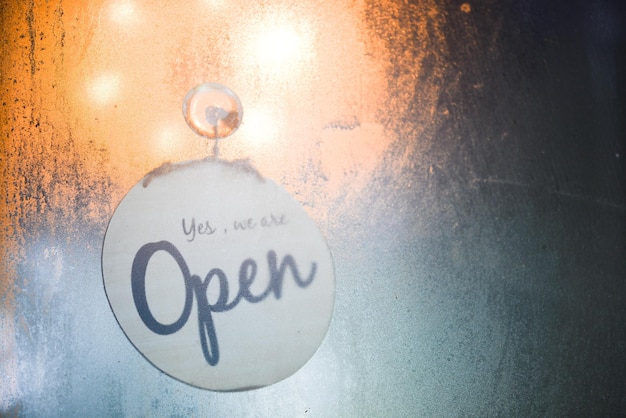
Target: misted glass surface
{"x":465,"y":162}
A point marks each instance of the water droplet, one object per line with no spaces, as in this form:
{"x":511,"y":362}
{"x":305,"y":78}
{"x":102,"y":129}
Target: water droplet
{"x":212,"y":110}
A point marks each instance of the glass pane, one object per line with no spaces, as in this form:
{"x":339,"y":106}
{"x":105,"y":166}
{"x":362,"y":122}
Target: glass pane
{"x":465,"y":161}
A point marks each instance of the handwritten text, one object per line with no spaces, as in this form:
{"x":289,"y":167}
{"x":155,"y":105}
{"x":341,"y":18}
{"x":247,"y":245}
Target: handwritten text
{"x":196,"y":287}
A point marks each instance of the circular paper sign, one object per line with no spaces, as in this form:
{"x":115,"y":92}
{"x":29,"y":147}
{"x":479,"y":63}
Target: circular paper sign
{"x":217,"y":276}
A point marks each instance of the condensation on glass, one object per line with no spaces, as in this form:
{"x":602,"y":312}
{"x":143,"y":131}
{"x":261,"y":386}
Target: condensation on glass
{"x":91,"y":99}
{"x":464,"y":161}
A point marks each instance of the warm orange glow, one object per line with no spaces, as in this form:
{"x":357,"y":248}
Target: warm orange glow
{"x":123,"y":12}
{"x":279,"y":47}
{"x":168,"y":138}
{"x":104,"y":88}
{"x":313,"y":80}
{"x":214,"y":3}
{"x":94,"y":92}
{"x":259,"y":129}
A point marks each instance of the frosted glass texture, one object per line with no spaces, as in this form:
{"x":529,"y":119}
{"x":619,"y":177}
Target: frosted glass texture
{"x":464,"y":160}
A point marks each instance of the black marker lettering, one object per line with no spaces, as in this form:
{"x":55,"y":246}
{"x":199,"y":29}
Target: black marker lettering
{"x":202,"y":228}
{"x":273,"y":220}
{"x":192,"y":229}
{"x":194,"y":285}
{"x":205,"y":228}
{"x":244,"y":225}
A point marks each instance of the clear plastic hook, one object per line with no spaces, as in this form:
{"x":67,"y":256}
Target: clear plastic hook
{"x":212,"y":110}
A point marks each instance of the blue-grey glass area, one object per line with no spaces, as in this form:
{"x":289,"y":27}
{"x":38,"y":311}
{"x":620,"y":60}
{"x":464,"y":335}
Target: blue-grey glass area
{"x":464,"y":160}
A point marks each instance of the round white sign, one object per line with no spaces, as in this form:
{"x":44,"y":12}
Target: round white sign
{"x":218,"y":276}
